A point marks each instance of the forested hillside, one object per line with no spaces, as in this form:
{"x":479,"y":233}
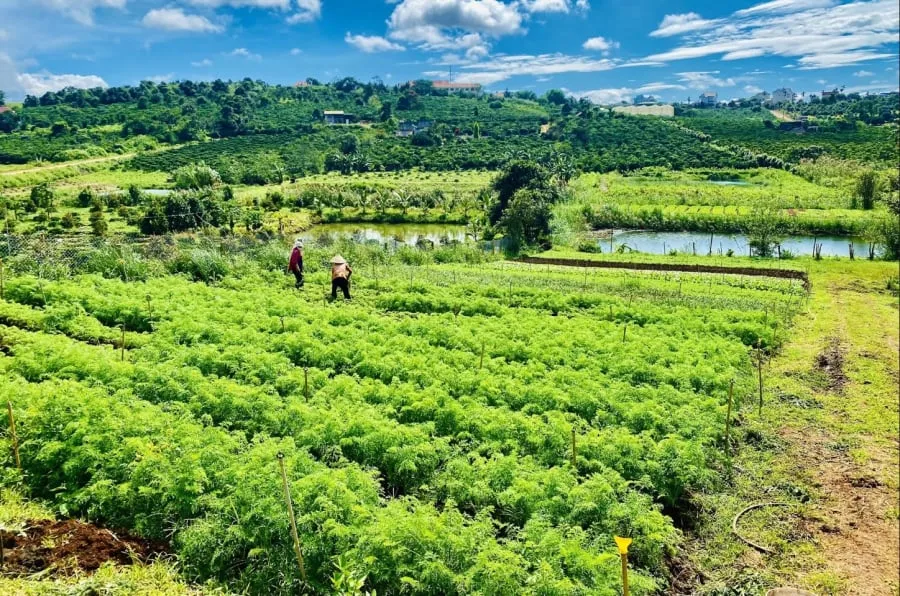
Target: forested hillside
{"x":253,"y":121}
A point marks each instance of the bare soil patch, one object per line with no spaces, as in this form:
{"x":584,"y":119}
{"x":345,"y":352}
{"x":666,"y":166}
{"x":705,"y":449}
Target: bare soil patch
{"x":70,"y":546}
{"x":831,"y":362}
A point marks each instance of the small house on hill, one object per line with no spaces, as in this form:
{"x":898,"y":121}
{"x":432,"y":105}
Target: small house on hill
{"x":710,"y":98}
{"x":333,"y":117}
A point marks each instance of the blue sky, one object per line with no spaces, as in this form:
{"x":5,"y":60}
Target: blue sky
{"x":605,"y":50}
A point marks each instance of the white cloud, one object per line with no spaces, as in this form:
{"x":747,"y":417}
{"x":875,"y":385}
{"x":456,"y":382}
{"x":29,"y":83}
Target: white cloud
{"x":244,"y":53}
{"x":270,"y":4}
{"x":162,"y":78}
{"x":437,"y":23}
{"x":307,"y":12}
{"x":604,"y":96}
{"x":819,"y":33}
{"x":371,"y":44}
{"x":782,"y":6}
{"x":296,"y":51}
{"x":679,"y":24}
{"x":206,"y":62}
{"x":175,"y":19}
{"x":704,"y":80}
{"x":752,"y":89}
{"x":18,"y":84}
{"x":563,"y":6}
{"x":656,"y":87}
{"x":38,"y":84}
{"x":81,"y":11}
{"x":600,"y":44}
{"x":502,"y":67}
{"x":863,"y":73}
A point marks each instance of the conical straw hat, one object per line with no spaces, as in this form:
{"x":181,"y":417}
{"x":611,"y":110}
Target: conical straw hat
{"x":338,"y":260}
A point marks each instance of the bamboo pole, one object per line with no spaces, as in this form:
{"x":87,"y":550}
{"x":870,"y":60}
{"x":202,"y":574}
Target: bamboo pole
{"x":481,"y":361}
{"x":290,"y":506}
{"x":12,"y":434}
{"x":306,"y":382}
{"x":728,"y":421}
{"x":622,"y":544}
{"x":759,"y":360}
{"x":574,"y":451}
{"x":123,"y":342}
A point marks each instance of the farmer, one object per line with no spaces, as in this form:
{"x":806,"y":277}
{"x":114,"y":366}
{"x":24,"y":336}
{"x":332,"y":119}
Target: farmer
{"x":296,"y":264}
{"x":340,"y":277}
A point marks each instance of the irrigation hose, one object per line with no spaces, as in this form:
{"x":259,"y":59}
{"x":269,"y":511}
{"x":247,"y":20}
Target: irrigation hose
{"x":737,"y":517}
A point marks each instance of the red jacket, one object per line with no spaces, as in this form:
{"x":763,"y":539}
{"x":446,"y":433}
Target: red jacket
{"x":296,"y":259}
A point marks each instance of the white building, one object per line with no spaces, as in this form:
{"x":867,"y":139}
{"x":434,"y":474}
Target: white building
{"x":710,"y":98}
{"x":783,"y":95}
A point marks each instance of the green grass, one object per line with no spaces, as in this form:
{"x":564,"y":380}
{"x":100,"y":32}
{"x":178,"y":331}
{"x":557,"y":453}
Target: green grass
{"x":762,"y":187}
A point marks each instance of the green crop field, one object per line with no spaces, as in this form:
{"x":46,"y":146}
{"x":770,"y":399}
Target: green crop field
{"x":428,"y":426}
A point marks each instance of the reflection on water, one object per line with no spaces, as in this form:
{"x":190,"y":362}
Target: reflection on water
{"x":702,"y":244}
{"x":409,"y":234}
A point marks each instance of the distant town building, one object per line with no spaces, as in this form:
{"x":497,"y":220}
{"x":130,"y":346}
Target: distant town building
{"x":457,"y":86}
{"x":783,"y":95}
{"x":641,"y":100}
{"x":710,"y":98}
{"x":333,"y":117}
{"x":664,"y":110}
{"x":408,"y":128}
{"x":762,"y":96}
{"x":830,"y":94}
{"x":301,"y":84}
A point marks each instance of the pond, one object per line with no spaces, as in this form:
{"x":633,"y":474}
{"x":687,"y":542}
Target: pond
{"x":397,"y":234}
{"x":729,"y":182}
{"x":686,"y":242}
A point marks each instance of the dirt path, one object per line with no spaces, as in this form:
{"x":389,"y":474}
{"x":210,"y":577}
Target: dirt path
{"x":781,"y":115}
{"x":850,"y":449}
{"x":67,"y":164}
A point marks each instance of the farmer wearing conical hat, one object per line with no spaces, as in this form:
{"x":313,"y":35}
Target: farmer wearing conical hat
{"x":340,"y":276}
{"x":295,"y":265}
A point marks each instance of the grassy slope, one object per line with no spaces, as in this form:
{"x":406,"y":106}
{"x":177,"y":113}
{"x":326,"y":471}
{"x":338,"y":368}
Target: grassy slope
{"x":832,"y":453}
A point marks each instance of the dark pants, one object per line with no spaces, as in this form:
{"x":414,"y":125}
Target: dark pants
{"x":298,"y":274}
{"x":341,"y":283}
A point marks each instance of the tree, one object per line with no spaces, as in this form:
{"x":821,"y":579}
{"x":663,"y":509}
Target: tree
{"x":98,"y":223}
{"x":556,"y":97}
{"x":349,"y":144}
{"x":2,"y":98}
{"x":526,"y":220}
{"x":867,"y":189}
{"x":517,"y":175}
{"x":85,"y":198}
{"x":196,"y":176}
{"x":42,"y":197}
{"x":763,"y":231}
{"x":69,"y":220}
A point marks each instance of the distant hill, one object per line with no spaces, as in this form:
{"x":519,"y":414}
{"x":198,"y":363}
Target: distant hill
{"x":236,"y":125}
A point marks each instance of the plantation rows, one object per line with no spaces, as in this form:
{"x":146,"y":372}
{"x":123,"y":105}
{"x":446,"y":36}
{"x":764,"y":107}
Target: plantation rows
{"x":427,"y":425}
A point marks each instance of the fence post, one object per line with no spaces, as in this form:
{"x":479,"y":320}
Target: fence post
{"x":624,"y":331}
{"x":306,"y":382}
{"x":12,"y":435}
{"x":574,"y":451}
{"x":759,"y":361}
{"x":290,"y":505}
{"x":623,"y":544}
{"x":123,"y":342}
{"x":728,"y":422}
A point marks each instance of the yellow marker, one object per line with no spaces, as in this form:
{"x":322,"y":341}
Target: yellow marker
{"x":623,"y":544}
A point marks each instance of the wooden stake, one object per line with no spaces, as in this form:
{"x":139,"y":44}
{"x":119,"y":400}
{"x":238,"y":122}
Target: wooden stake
{"x":574,"y":452}
{"x":306,"y":382}
{"x":123,"y":342}
{"x":759,"y":361}
{"x":290,"y":505}
{"x":624,"y":574}
{"x":624,"y":331}
{"x":282,"y":324}
{"x":728,"y":422}
{"x":1,"y":279}
{"x":481,"y":362}
{"x":12,"y":434}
